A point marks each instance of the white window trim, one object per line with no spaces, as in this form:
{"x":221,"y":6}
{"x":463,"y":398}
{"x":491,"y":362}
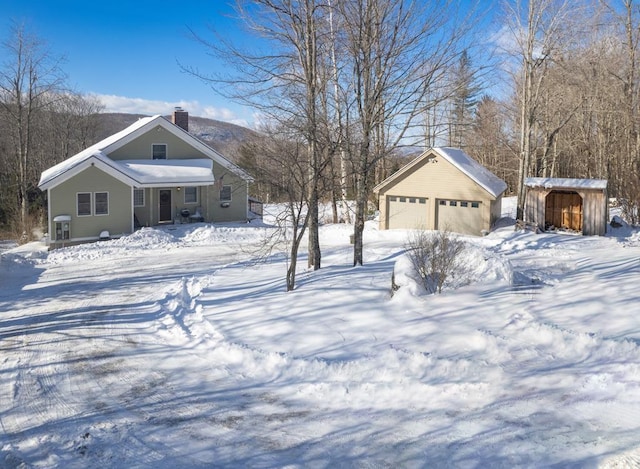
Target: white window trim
{"x":90,"y":205}
{"x":184,"y":197}
{"x":144,"y":201}
{"x":166,"y":151}
{"x":95,"y":211}
{"x":230,"y":193}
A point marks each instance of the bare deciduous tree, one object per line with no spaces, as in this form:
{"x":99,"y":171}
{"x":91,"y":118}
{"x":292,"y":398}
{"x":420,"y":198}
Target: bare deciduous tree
{"x":30,"y":83}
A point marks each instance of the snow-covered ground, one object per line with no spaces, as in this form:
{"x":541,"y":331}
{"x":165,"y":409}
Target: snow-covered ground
{"x":173,"y":348}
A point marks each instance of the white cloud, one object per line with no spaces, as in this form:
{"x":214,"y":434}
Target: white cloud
{"x":113,"y":103}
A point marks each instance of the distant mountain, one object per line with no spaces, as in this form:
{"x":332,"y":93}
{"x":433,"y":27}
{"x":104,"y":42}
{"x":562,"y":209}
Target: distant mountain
{"x":222,"y":136}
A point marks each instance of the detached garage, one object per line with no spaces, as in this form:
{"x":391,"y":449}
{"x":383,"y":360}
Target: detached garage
{"x":442,"y":189}
{"x":568,"y":204}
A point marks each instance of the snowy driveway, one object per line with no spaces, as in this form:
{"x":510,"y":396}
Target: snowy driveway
{"x":171,"y":349}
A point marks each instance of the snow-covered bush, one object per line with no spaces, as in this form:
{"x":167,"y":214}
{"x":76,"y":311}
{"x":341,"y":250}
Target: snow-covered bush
{"x":435,"y":256}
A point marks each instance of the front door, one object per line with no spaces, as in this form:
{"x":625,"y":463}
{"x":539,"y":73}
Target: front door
{"x":165,"y":205}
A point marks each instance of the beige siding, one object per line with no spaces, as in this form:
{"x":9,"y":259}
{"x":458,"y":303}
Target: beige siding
{"x":141,"y":147}
{"x":462,"y":219}
{"x":496,"y":210}
{"x":438,"y":179}
{"x":63,"y":202}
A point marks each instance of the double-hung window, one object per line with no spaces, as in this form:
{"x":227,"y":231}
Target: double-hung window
{"x":101,"y":203}
{"x":190,"y":195}
{"x":96,"y":203}
{"x":138,"y":197}
{"x":225,"y":194}
{"x":83,"y":203}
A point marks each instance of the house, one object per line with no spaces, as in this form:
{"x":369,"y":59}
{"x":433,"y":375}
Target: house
{"x":565,"y":203}
{"x":442,"y":189}
{"x":151,"y":173}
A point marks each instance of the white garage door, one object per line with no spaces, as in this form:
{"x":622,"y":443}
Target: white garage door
{"x":460,"y":216}
{"x":407,"y":212}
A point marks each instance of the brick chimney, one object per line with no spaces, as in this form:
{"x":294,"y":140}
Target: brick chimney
{"x":181,"y":118}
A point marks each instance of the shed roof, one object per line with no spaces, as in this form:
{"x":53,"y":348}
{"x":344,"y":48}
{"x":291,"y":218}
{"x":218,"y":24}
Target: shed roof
{"x":458,"y":158}
{"x":566,"y":183}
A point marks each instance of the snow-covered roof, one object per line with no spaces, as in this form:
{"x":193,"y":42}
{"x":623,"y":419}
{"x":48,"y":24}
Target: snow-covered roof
{"x":485,"y":178}
{"x":52,"y":176}
{"x":169,"y":172}
{"x":94,"y":150}
{"x":566,"y":183}
{"x":478,"y":173}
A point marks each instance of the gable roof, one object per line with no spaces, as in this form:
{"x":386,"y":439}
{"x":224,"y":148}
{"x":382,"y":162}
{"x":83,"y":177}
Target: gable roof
{"x":458,"y":158}
{"x":60,"y":172}
{"x":566,"y":183}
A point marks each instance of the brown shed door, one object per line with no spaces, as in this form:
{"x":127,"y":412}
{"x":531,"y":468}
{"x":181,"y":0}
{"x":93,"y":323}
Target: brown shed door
{"x":564,"y":210}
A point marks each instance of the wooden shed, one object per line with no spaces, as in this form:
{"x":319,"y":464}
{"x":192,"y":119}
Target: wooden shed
{"x":563,"y":203}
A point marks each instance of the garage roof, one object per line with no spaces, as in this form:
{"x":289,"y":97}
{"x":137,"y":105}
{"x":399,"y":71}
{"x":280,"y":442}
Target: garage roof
{"x":478,"y":173}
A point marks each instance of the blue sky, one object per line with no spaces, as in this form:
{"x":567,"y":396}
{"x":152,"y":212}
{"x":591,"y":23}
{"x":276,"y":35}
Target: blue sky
{"x":127,"y":52}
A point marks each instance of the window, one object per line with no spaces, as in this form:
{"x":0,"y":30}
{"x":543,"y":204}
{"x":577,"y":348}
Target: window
{"x":453,"y":203}
{"x":392,"y":199}
{"x":412,"y":200}
{"x":464,"y":204}
{"x":475,"y":204}
{"x":403,"y":199}
{"x":422,"y":200}
{"x":443,"y":202}
{"x":101,"y":200}
{"x":138,"y":197}
{"x":159,"y":151}
{"x":225,"y":194}
{"x":84,"y":204}
{"x":190,"y":195}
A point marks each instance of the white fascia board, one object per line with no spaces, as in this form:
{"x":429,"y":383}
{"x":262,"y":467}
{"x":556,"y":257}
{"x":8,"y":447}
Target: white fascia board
{"x":93,"y":160}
